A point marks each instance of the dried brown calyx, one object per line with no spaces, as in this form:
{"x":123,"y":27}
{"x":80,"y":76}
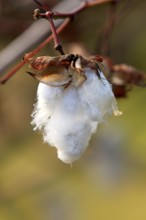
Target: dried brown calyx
{"x":62,"y":70}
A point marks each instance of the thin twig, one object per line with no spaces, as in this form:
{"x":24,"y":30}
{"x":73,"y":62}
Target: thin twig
{"x":57,"y":42}
{"x":4,"y":79}
{"x":44,"y":43}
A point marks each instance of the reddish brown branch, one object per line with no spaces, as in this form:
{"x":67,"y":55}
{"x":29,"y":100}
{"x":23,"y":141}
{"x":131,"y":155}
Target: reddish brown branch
{"x":44,"y":43}
{"x":11,"y":73}
{"x":57,"y":43}
{"x":81,"y":7}
{"x":50,"y":15}
{"x":4,"y":79}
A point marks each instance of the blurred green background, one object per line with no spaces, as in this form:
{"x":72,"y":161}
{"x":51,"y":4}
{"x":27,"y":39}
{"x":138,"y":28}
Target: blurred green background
{"x":109,"y":180}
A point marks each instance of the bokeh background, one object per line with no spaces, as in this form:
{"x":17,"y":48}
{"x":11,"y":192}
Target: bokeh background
{"x":109,"y":180}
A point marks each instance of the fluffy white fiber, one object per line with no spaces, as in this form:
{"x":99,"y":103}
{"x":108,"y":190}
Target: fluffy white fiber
{"x":68,"y":117}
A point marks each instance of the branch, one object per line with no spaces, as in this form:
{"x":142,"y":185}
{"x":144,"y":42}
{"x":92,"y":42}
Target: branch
{"x":4,"y":79}
{"x":44,"y":43}
{"x":55,"y":15}
{"x":11,"y":73}
{"x":57,"y":42}
{"x":50,"y":15}
{"x":81,"y":7}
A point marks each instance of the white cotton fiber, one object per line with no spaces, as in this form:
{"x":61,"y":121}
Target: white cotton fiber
{"x":96,"y":96}
{"x":64,"y":123}
{"x":69,"y":116}
{"x":47,"y":98}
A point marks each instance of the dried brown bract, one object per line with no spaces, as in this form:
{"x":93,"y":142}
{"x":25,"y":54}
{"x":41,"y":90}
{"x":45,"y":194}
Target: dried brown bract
{"x":61,"y":70}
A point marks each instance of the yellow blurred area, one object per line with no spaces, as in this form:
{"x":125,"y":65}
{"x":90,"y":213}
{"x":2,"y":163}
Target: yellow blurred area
{"x":109,"y":180}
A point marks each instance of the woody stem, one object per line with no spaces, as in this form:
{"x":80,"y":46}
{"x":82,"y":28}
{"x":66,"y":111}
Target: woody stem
{"x":49,"y":16}
{"x":57,"y":43}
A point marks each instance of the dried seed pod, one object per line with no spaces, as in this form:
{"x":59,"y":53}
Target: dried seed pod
{"x":129,"y":74}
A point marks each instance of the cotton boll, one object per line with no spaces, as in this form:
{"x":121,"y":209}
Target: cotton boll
{"x":69,"y":129}
{"x":68,"y":115}
{"x":96,"y":96}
